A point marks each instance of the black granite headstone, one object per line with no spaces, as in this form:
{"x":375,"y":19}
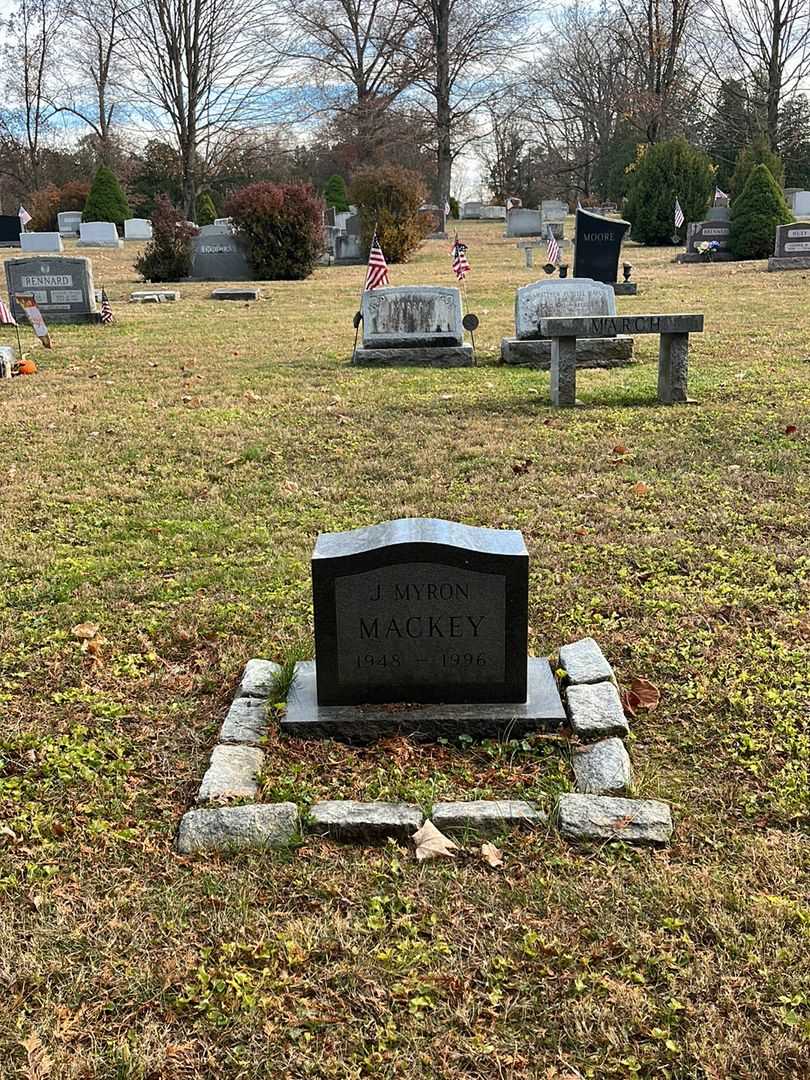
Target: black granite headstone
{"x":420,"y":610}
{"x":10,"y":229}
{"x":597,"y":246}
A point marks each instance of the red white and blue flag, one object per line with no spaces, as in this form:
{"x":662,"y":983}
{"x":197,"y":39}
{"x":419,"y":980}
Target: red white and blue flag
{"x":23,"y":215}
{"x":552,"y":247}
{"x":461,"y":266}
{"x":377,"y":272}
{"x":106,"y":309}
{"x":679,"y":218}
{"x":6,"y":318}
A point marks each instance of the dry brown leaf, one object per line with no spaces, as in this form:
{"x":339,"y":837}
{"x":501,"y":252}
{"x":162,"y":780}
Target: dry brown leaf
{"x":619,"y":449}
{"x":641,"y":488}
{"x":491,"y":855}
{"x":431,"y":844}
{"x":646,"y":695}
{"x":85,"y":631}
{"x":629,"y":702}
{"x":791,"y":429}
{"x":39,"y":1063}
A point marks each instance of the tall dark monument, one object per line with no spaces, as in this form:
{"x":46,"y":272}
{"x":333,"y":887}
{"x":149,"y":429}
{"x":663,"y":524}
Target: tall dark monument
{"x":598,"y":244}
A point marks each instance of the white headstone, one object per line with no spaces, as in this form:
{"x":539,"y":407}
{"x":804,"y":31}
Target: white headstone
{"x":412,"y":315}
{"x":471,"y":210}
{"x":41,"y":241}
{"x":560,"y":297}
{"x":522,"y":222}
{"x":99,"y":234}
{"x":800,"y":201}
{"x":493,"y":213}
{"x":223,"y":221}
{"x":69,"y":222}
{"x":138,"y":229}
{"x":554,"y":210}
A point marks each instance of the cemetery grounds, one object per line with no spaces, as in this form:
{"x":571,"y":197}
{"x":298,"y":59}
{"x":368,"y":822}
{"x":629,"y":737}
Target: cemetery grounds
{"x":165,"y":479}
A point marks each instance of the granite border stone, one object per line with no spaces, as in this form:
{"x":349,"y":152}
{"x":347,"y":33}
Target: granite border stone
{"x":233,"y":773}
{"x":373,"y":822}
{"x":486,"y":817}
{"x":584,"y":662}
{"x":229,"y":828}
{"x":602,"y":768}
{"x":595,"y":710}
{"x":645,"y":822}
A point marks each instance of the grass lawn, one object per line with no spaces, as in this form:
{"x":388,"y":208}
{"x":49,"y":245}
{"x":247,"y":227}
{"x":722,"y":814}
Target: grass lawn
{"x":166,"y":478}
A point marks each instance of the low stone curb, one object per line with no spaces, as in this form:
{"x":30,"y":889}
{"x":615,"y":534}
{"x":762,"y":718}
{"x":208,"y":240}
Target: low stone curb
{"x":246,"y":722}
{"x":257,"y":678}
{"x":232,"y":774}
{"x":229,"y":828}
{"x":595,"y":710}
{"x":345,"y":819}
{"x":484,"y":817}
{"x":602,"y":768}
{"x":645,"y":822}
{"x":584,"y":662}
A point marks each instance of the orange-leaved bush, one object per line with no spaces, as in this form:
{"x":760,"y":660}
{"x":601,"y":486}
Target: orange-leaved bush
{"x":390,"y":196}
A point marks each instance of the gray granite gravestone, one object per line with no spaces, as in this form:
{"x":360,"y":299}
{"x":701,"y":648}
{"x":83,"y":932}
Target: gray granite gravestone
{"x":137,"y":229}
{"x":426,"y":615}
{"x":62,"y":287}
{"x":69,"y":222}
{"x":471,"y":211}
{"x":570,"y":297}
{"x":413,"y":324}
{"x":218,"y":254}
{"x":523,"y":222}
{"x":99,"y":234}
{"x":597,"y":246}
{"x":41,"y":241}
{"x":792,"y":248}
{"x":10,"y":229}
{"x":715,"y":230}
{"x":553,"y":212}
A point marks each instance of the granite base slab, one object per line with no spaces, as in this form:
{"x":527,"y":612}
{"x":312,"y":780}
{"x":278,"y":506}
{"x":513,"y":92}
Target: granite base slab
{"x":362,"y":724}
{"x":778,"y":262}
{"x":624,"y":288}
{"x":694,"y":257}
{"x":591,"y":352}
{"x":422,"y":356}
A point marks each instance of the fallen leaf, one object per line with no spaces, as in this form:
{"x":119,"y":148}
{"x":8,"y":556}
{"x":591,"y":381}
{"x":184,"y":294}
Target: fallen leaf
{"x":250,"y":396}
{"x":85,"y":631}
{"x":641,"y":488}
{"x":619,"y":449}
{"x":646,"y":694}
{"x":629,"y":702}
{"x":791,"y":429}
{"x":431,"y":844}
{"x":491,"y":855}
{"x":520,"y":468}
{"x":39,"y":1063}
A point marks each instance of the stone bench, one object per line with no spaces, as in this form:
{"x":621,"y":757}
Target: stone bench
{"x":673,"y":351}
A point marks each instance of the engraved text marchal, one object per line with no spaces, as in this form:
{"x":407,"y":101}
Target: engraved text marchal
{"x":424,"y":621}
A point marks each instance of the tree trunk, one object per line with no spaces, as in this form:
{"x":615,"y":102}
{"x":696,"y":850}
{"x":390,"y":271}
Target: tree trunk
{"x":444,"y":147}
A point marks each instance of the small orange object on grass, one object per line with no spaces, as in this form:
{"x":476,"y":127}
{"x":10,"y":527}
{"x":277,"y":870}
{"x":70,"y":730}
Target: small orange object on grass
{"x":26,"y":367}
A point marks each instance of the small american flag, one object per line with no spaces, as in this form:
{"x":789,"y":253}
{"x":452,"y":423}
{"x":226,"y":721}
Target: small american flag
{"x":718,"y":194}
{"x":679,"y":218}
{"x":552,"y":247}
{"x":461,"y":266}
{"x":6,"y":318}
{"x":377,"y":273}
{"x":23,"y":215}
{"x":106,"y":308}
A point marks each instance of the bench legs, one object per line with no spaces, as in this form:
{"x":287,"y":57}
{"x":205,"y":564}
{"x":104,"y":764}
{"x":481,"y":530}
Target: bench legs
{"x":673,"y":368}
{"x":563,"y":371}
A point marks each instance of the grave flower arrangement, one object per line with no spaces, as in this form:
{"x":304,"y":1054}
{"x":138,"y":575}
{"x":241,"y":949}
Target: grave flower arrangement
{"x":707,"y":249}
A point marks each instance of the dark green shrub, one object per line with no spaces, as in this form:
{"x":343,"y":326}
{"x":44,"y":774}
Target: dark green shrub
{"x":106,"y":201}
{"x":454,"y":208}
{"x":334,"y":194}
{"x":756,"y":153}
{"x":391,"y":196}
{"x":283,"y":227}
{"x":206,"y":211}
{"x":755,"y":214}
{"x":167,"y":256}
{"x":661,"y":174}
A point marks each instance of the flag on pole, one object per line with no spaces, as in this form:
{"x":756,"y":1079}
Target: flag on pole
{"x":106,"y":309}
{"x":6,"y":318}
{"x":377,"y":273}
{"x":679,"y":218}
{"x":34,"y":316}
{"x":23,"y":215}
{"x":718,"y":194}
{"x":552,"y":248}
{"x":461,"y":266}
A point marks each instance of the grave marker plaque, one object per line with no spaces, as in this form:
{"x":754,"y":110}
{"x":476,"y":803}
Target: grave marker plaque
{"x":421,"y":610}
{"x":598,"y":246}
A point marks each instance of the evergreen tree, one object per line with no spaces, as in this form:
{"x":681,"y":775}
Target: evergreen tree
{"x":662,"y":173}
{"x":755,"y":214}
{"x":758,"y":152}
{"x":334,"y":194}
{"x":106,"y":201}
{"x":206,"y":211}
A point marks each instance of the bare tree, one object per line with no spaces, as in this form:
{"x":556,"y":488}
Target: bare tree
{"x":202,"y":66}
{"x":88,"y":89}
{"x":472,"y":46}
{"x":767,"y":47}
{"x":32,"y":34}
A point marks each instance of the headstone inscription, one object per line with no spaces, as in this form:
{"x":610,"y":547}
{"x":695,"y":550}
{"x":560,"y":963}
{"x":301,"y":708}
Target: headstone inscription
{"x":62,"y":287}
{"x":427,"y":615}
{"x":792,"y":248}
{"x":571,"y":297}
{"x":41,"y":241}
{"x":99,"y":234}
{"x":10,"y":229}
{"x":713,"y":230}
{"x":413,"y":324}
{"x":218,"y":254}
{"x":597,"y":246}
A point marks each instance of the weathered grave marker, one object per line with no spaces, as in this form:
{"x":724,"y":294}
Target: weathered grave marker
{"x":792,"y":248}
{"x":413,"y":324}
{"x":62,"y":287}
{"x":218,"y":254}
{"x":41,"y":241}
{"x":137,"y":229}
{"x":99,"y":234}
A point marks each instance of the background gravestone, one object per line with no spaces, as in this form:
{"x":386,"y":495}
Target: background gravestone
{"x":69,"y":222}
{"x":10,"y":229}
{"x":523,"y":222}
{"x":62,"y":287}
{"x":413,"y":324}
{"x":218,"y":254}
{"x":41,"y":241}
{"x":99,"y":234}
{"x":597,"y":246}
{"x":792,"y":247}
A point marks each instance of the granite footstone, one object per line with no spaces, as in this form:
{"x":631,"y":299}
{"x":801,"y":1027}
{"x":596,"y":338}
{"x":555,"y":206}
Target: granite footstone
{"x":485,"y":817}
{"x":236,"y":294}
{"x":232,"y":774}
{"x":595,"y":710}
{"x":246,"y":722}
{"x":643,"y":822}
{"x":257,"y":678}
{"x":233,"y":828}
{"x":584,"y":662}
{"x":603,"y":768}
{"x":345,"y":819}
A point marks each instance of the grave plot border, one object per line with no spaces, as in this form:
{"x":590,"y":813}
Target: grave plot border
{"x":599,"y":810}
